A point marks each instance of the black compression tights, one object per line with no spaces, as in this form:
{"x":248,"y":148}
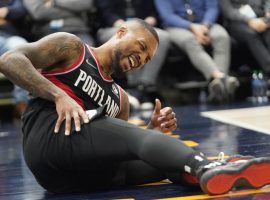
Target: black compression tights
{"x":146,"y":154}
{"x":107,"y":152}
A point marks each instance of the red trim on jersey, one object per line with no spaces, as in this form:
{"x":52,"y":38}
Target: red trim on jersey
{"x":103,"y":75}
{"x":120,"y":97}
{"x":66,"y":88}
{"x":70,"y":68}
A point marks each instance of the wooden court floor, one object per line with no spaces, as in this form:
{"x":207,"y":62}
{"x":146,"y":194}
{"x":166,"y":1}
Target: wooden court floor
{"x":203,"y":133}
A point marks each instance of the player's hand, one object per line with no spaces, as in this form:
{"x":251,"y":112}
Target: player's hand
{"x":69,"y":110}
{"x":258,"y":25}
{"x":163,"y":119}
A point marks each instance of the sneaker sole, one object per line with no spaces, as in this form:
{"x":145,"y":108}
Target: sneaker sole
{"x":256,"y":172}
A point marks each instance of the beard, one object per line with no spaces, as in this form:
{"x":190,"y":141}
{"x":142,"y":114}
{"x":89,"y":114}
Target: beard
{"x":117,"y":70}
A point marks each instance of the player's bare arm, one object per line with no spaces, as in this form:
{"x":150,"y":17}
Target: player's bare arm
{"x":55,"y":51}
{"x":124,"y":113}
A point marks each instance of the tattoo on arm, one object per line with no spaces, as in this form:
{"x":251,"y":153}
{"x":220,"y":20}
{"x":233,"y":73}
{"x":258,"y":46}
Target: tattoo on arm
{"x":70,"y":48}
{"x":19,"y":65}
{"x":53,"y":52}
{"x":19,"y":70}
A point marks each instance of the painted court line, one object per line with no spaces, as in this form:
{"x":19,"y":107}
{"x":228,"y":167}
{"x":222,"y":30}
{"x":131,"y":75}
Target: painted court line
{"x":205,"y":196}
{"x":256,"y":119}
{"x":231,"y":194}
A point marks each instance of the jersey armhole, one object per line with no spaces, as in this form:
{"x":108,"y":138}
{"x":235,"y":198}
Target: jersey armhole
{"x":70,"y":68}
{"x":121,"y":93}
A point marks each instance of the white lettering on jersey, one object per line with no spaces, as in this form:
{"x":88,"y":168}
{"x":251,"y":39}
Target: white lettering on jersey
{"x":88,"y":85}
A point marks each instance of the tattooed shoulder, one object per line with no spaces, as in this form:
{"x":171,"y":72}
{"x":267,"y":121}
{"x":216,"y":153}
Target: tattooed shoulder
{"x":56,"y":48}
{"x":69,"y":46}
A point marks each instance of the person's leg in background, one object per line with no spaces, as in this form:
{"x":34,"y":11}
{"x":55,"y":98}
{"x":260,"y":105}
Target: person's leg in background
{"x":188,"y":43}
{"x":202,"y":61}
{"x":145,"y":79}
{"x":254,"y":42}
{"x":221,"y":44}
{"x":266,"y":37}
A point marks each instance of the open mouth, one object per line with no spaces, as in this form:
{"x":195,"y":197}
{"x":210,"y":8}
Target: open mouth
{"x":133,"y":61}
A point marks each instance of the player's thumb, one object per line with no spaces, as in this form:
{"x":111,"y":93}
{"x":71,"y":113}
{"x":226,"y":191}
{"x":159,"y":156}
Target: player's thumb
{"x":157,"y":106}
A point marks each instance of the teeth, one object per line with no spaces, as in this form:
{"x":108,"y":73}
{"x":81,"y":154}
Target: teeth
{"x":131,"y":61}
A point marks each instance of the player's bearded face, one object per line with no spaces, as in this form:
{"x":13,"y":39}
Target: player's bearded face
{"x":124,"y":61}
{"x":133,"y":52}
{"x":117,"y":69}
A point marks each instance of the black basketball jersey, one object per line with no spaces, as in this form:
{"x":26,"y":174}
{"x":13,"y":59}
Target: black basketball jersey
{"x":87,"y":84}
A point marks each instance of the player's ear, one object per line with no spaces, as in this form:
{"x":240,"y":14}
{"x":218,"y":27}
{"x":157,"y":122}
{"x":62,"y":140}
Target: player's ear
{"x":122,"y":31}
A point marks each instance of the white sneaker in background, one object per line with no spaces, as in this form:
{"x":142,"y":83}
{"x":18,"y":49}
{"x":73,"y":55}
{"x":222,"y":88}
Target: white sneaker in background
{"x":134,"y":102}
{"x":147,"y":106}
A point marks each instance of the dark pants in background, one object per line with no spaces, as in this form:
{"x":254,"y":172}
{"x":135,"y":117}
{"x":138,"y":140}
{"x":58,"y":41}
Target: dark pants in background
{"x":258,"y":43}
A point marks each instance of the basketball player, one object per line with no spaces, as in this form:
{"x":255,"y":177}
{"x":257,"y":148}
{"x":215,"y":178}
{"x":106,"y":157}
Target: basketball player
{"x":107,"y":151}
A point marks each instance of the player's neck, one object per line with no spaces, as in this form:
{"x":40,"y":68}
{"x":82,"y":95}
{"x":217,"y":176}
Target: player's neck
{"x":103,"y":54}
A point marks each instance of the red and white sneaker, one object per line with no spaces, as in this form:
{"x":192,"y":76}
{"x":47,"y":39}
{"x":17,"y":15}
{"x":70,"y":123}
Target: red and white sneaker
{"x":219,"y":177}
{"x":234,"y":158}
{"x":191,"y":180}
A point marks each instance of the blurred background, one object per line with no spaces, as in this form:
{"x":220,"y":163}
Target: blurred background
{"x":210,"y":52}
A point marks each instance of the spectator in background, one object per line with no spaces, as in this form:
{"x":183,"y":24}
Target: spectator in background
{"x":248,"y":22}
{"x":11,"y":13}
{"x":51,"y":16}
{"x":192,"y":26}
{"x":114,"y":13}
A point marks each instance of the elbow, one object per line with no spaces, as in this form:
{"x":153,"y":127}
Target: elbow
{"x":3,"y":62}
{"x":5,"y":59}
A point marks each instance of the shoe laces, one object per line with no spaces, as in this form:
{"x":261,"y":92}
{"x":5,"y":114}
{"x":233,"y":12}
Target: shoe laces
{"x":220,"y":161}
{"x":221,"y":157}
{"x":239,"y":158}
